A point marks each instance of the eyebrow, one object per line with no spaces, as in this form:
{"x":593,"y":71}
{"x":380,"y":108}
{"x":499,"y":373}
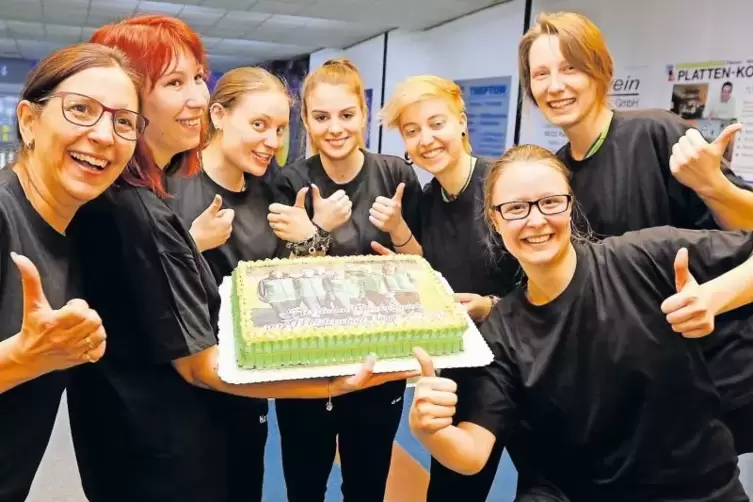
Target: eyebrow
{"x":350,"y":108}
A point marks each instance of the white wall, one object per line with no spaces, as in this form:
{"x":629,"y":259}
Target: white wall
{"x":368,"y":56}
{"x":483,"y":44}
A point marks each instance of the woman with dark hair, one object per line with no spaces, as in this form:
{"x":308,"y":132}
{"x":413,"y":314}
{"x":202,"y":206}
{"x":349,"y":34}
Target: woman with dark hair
{"x":159,"y":301}
{"x":77,"y":124}
{"x":596,"y":384}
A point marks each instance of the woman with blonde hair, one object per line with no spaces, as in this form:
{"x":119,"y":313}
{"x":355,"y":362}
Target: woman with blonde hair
{"x":429,"y":113}
{"x":597,"y":380}
{"x":354,"y":197}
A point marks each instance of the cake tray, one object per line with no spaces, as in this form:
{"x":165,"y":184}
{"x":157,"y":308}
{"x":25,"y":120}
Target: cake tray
{"x":476,"y":353}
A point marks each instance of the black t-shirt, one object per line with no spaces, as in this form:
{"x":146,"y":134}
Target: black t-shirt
{"x":27,"y":412}
{"x":620,"y":407}
{"x":140,"y":431}
{"x":252,"y":238}
{"x":627,"y":185}
{"x":379,"y":176}
{"x":458,"y":243}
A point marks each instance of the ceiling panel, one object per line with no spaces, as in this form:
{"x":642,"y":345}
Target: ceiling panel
{"x":235,"y":32}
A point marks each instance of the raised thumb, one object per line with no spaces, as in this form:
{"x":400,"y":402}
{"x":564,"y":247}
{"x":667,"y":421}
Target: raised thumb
{"x":315,"y":193}
{"x":424,"y":360}
{"x":300,"y":198}
{"x":215,"y":206}
{"x":34,"y":298}
{"x":399,"y":192}
{"x":727,"y":135}
{"x":682,"y":270}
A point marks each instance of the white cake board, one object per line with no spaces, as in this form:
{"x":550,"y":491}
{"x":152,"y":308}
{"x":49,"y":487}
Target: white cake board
{"x":475,"y":353}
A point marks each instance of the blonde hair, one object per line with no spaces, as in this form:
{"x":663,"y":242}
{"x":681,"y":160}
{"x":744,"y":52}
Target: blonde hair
{"x":235,"y":84}
{"x":581,"y":42}
{"x":339,"y":71}
{"x":419,"y":88}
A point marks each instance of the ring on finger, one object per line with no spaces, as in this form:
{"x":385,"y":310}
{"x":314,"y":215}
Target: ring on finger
{"x":89,"y":343}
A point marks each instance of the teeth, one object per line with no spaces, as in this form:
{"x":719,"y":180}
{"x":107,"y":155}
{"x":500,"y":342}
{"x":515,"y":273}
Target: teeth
{"x":191,"y":122}
{"x":538,"y":240}
{"x":561,"y":103}
{"x":264,"y":156}
{"x":432,"y":153}
{"x":99,"y":163}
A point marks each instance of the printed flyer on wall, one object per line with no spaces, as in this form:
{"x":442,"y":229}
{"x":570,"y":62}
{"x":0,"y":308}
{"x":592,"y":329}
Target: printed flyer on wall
{"x":712,"y":95}
{"x":487,"y":104}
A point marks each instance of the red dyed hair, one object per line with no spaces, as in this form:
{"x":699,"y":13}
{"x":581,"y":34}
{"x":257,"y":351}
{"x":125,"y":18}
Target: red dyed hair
{"x":152,"y":42}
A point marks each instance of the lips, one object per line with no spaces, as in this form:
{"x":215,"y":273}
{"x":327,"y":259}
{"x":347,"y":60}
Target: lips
{"x":192,"y":123}
{"x":559,"y":104}
{"x":264,"y":158}
{"x":432,"y":154}
{"x":89,"y":161}
{"x":338,"y":142}
{"x":537,"y":239}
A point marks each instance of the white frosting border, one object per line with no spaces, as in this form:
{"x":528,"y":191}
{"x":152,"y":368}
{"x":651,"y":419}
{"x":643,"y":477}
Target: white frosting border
{"x":475,"y":353}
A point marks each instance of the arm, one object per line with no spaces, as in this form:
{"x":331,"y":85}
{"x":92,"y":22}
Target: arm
{"x":732,"y":289}
{"x":13,"y":369}
{"x":200,"y":369}
{"x":464,"y":448}
{"x":699,"y":165}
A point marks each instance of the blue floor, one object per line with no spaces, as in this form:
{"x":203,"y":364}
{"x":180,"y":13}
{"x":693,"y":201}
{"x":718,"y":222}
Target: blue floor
{"x":503,"y":488}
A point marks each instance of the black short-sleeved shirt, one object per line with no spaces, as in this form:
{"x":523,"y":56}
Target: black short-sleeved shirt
{"x":620,"y":407}
{"x":627,"y":185}
{"x":140,"y":431}
{"x":252,"y":239}
{"x":379,"y":176}
{"x":457,"y":241}
{"x":27,"y":412}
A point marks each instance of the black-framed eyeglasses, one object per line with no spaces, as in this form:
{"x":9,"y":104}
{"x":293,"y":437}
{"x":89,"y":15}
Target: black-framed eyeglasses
{"x":519,"y":209}
{"x":82,"y":110}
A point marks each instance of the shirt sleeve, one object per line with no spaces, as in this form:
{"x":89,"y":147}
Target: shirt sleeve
{"x":488,"y":396}
{"x":711,"y":253}
{"x":412,"y":201}
{"x":687,"y":208}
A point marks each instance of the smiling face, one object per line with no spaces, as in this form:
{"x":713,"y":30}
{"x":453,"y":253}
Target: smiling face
{"x":174,"y":107}
{"x":432,"y":134}
{"x":80,"y":162}
{"x":536,"y":239}
{"x":334,"y":120}
{"x":564,"y":94}
{"x":253,"y":129}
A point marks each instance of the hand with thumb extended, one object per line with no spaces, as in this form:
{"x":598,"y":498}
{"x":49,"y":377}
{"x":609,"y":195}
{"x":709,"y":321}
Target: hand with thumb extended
{"x":696,"y":163}
{"x":690,"y":310}
{"x":387,"y":213}
{"x":213,"y":227}
{"x":333,"y":212}
{"x":291,"y":223}
{"x":434,"y":399}
{"x":54,"y":339}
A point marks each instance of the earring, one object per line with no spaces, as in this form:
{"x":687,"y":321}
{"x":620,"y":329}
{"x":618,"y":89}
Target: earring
{"x":462,"y":134}
{"x":408,"y":159}
{"x":30,"y":145}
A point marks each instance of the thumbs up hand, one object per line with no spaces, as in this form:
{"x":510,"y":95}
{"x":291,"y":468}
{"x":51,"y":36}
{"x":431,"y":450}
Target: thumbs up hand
{"x":434,"y":399}
{"x":696,"y":163}
{"x":212,"y":228}
{"x":55,"y":339}
{"x":291,"y":223}
{"x":330,"y":213}
{"x":690,"y":310}
{"x":387,"y":214}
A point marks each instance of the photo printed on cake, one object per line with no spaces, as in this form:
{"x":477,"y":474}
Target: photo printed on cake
{"x":337,"y":294}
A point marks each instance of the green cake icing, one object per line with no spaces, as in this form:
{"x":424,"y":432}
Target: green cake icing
{"x":332,"y":310}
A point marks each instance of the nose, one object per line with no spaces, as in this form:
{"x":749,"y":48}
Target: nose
{"x":427,"y":137}
{"x":199,"y":97}
{"x":535,"y":217}
{"x":103,"y":131}
{"x":335,"y":127}
{"x":272,"y":139}
{"x":555,"y":83}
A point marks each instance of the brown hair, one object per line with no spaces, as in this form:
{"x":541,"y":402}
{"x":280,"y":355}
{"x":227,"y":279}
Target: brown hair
{"x":418,"y":88}
{"x":581,"y":42}
{"x":339,"y":71}
{"x":237,"y":82}
{"x":62,"y":64}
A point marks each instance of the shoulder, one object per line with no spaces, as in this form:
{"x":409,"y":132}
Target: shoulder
{"x":652,"y":121}
{"x":484,"y":164}
{"x":9,"y":192}
{"x":397,"y":168}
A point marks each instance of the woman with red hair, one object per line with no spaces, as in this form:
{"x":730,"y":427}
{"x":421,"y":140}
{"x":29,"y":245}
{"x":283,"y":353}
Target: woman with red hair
{"x":141,"y":419}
